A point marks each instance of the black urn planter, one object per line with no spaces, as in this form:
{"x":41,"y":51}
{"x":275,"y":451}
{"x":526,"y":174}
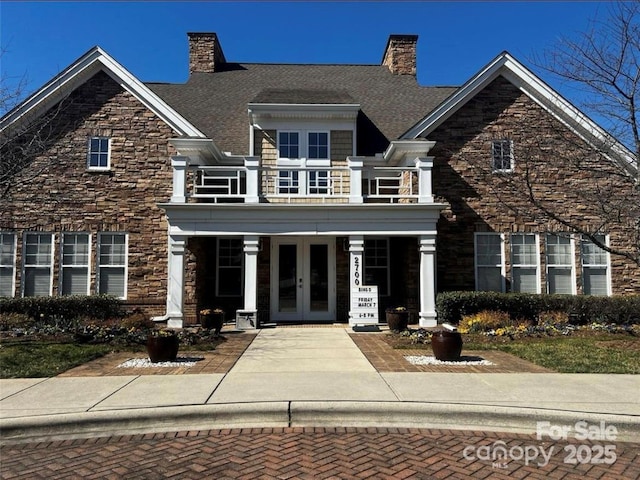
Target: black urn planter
{"x":446,"y":345}
{"x":213,"y":321}
{"x":397,"y":320}
{"x":162,"y":348}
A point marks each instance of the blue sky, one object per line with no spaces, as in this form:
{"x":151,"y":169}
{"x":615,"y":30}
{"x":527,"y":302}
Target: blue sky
{"x":456,"y":39}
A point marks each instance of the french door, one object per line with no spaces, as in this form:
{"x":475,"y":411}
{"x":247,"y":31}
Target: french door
{"x":303,"y":279}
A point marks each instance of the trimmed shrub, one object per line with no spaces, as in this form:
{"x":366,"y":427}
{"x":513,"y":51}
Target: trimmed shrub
{"x":580,"y":309}
{"x":66,"y":308}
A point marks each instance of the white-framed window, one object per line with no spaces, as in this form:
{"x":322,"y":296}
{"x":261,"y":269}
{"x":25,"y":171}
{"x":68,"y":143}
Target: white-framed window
{"x":288,"y":144}
{"x":112,"y":264}
{"x":502,"y":159}
{"x":37,"y":264}
{"x":288,"y":182}
{"x":489,"y":262}
{"x":560,"y":264}
{"x":7,"y":264}
{"x":76,"y":252}
{"x":319,"y":182}
{"x":230,"y":267}
{"x":318,"y":145}
{"x":525,"y":263}
{"x":595,"y":267}
{"x":99,"y":157}
{"x":376,"y":264}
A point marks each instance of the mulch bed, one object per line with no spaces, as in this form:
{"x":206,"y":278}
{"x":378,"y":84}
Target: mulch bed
{"x":386,"y":353}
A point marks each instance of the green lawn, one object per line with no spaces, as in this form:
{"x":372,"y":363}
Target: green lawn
{"x":38,"y":359}
{"x":592,"y":354}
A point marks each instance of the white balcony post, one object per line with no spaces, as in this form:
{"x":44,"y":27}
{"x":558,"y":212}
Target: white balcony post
{"x":356,"y":165}
{"x":424,"y":166}
{"x":175,"y":287}
{"x":251,"y":249}
{"x":427,"y":280}
{"x":179,"y":165}
{"x":252,"y":165}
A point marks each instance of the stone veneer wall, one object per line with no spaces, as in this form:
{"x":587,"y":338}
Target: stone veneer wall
{"x":400,"y":54}
{"x":58,"y":194}
{"x":205,"y":52}
{"x":462,"y":155}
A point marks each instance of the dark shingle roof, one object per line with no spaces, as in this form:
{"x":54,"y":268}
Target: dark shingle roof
{"x":216,"y":103}
{"x":303,"y":96}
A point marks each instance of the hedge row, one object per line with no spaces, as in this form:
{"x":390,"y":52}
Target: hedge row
{"x":582,"y":309}
{"x":68,"y":307}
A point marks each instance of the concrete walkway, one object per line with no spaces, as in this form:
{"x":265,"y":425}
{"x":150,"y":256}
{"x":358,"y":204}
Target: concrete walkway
{"x":313,"y":377}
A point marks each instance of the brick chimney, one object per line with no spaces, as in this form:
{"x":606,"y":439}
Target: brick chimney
{"x":205,"y":52}
{"x":400,"y":54}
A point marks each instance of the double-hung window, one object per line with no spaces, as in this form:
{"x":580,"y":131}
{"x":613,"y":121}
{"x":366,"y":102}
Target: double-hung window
{"x":305,"y":153}
{"x":595,"y":267}
{"x":525,"y":261}
{"x":230,"y":267}
{"x":502,"y":155}
{"x":112,"y":264}
{"x":560,"y":271}
{"x":489,"y":261}
{"x":38,"y":264}
{"x":376,"y":264}
{"x":7,"y":264}
{"x":99,"y":153}
{"x":75,"y":263}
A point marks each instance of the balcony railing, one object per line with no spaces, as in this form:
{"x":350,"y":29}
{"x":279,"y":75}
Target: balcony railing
{"x":251,"y":183}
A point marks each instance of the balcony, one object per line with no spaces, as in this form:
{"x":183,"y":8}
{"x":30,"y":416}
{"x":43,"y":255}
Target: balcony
{"x":252,"y":183}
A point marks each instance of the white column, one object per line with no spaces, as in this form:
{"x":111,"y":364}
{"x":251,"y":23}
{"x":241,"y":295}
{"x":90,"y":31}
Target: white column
{"x":427,"y":280}
{"x":179,"y":165}
{"x":425,"y":189}
{"x":356,"y":165}
{"x":175,"y":287}
{"x":251,"y":248}
{"x":356,"y":268}
{"x":252,"y":165}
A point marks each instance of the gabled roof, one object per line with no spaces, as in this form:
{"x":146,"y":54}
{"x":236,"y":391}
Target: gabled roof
{"x":82,"y":70}
{"x":508,"y":67}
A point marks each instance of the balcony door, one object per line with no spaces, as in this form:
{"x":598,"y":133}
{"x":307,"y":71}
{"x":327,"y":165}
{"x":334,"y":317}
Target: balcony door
{"x":303,"y":279}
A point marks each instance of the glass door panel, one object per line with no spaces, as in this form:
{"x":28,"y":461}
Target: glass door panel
{"x":287,"y":278}
{"x":319,"y":278}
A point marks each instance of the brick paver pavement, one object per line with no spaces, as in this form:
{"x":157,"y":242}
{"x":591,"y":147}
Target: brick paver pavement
{"x":313,"y":453}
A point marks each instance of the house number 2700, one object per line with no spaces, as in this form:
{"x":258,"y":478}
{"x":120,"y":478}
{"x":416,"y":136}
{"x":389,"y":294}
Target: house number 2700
{"x":356,"y":271}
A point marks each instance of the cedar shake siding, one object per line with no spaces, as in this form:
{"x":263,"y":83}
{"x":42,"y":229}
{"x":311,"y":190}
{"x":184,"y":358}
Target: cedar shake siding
{"x":463,"y":180}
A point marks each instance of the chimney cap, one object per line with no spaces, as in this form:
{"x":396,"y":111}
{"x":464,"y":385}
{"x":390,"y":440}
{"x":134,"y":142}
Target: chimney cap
{"x":407,"y":37}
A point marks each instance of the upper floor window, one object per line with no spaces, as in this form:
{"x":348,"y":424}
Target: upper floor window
{"x":502,"y":155}
{"x":306,"y":144}
{"x":99,"y":153}
{"x":7,"y":264}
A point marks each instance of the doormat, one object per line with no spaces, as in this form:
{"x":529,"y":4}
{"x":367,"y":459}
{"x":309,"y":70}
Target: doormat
{"x":430,"y":360}
{"x":146,"y":363}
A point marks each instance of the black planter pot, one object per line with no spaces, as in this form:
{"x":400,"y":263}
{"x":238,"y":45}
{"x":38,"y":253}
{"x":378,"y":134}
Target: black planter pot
{"x":446,"y":345}
{"x":162,"y":349}
{"x":212,"y":321}
{"x":397,"y":321}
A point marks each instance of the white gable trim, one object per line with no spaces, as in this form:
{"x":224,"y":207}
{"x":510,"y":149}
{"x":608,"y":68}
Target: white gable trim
{"x":81,"y":71}
{"x":516,"y":73}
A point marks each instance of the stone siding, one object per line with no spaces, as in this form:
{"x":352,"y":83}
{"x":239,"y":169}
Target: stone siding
{"x":561,"y":167}
{"x":57,"y":193}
